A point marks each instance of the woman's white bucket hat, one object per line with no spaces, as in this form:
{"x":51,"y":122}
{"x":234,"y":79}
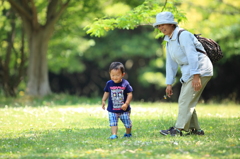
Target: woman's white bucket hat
{"x":164,"y":18}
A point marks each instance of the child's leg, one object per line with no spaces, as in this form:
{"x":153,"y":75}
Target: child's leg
{"x":114,"y":130}
{"x":128,"y":130}
{"x":125,"y":118}
{"x":113,"y":120}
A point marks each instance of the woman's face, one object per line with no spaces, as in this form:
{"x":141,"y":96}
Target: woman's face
{"x":166,"y":29}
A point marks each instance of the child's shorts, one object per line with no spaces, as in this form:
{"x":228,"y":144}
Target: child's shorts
{"x":124,"y":117}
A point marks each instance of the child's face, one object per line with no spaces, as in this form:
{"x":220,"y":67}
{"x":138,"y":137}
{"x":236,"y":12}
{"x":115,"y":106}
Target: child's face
{"x":116,"y":75}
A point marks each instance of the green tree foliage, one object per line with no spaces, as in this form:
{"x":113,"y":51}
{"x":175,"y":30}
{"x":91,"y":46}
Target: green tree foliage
{"x":70,"y":42}
{"x":113,"y":26}
{"x":38,"y":15}
{"x":218,"y":20}
{"x":143,"y":14}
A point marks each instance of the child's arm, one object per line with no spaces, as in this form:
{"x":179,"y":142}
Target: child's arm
{"x":128,"y":100}
{"x":104,"y":98}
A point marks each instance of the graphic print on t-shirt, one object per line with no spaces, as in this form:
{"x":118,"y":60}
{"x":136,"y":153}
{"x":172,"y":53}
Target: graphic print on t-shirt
{"x":117,"y":97}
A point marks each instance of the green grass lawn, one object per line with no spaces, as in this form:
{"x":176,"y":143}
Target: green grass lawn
{"x":81,"y":131}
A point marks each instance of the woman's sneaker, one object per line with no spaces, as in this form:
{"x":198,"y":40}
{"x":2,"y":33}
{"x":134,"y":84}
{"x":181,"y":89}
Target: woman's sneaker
{"x":175,"y":132}
{"x":113,"y":137}
{"x":166,"y":132}
{"x":195,"y":132}
{"x":198,"y":132}
{"x":172,"y":131}
{"x":127,"y":135}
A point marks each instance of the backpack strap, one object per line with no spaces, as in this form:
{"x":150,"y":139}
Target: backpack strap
{"x":179,"y":32}
{"x":196,"y":35}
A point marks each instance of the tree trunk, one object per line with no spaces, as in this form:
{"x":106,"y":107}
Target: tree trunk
{"x":38,"y":83}
{"x":38,"y":37}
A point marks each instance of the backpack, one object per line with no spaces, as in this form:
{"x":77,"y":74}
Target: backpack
{"x":212,"y":48}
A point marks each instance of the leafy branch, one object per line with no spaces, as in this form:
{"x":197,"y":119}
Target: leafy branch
{"x":143,"y":14}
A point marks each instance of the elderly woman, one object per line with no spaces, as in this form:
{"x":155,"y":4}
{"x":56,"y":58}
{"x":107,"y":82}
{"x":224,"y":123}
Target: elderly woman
{"x":196,"y":69}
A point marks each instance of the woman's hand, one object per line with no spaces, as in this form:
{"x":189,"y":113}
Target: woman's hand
{"x":196,"y":82}
{"x":169,"y":91}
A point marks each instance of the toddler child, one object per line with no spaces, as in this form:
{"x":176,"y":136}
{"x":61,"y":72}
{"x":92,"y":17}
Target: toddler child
{"x":119,"y":94}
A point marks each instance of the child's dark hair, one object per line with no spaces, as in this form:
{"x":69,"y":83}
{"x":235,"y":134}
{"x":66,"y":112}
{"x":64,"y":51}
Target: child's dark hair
{"x":116,"y":66}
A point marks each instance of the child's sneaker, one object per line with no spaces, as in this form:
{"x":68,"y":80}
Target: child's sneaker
{"x":127,"y":135}
{"x":113,"y":137}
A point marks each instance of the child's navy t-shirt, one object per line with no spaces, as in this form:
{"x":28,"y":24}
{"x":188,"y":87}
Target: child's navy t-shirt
{"x":117,"y":95}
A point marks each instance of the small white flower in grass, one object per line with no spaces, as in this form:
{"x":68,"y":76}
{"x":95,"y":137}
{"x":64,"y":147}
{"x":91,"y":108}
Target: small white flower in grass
{"x":99,"y":150}
{"x":122,"y":152}
{"x":131,"y":151}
